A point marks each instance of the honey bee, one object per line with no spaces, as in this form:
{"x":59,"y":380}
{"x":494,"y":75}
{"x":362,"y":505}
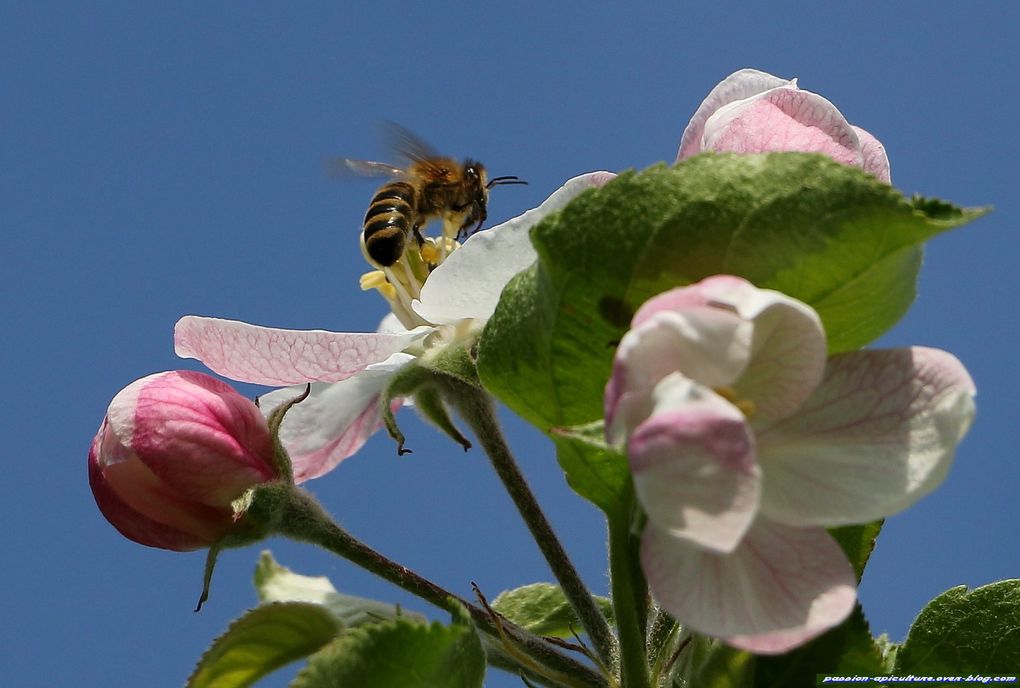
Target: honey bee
{"x":430,"y":186}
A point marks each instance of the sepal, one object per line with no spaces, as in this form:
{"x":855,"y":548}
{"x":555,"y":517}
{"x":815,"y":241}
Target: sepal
{"x":430,"y":381}
{"x":281,"y":459}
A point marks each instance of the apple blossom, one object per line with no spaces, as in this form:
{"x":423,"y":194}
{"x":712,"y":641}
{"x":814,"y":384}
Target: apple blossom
{"x":746,"y":441}
{"x":175,"y":450}
{"x":431,"y":308}
{"x":754,"y":112}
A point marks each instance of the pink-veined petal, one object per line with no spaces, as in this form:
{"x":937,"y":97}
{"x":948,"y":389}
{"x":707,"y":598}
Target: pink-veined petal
{"x":737,"y":86}
{"x":708,"y":345}
{"x":778,"y":589}
{"x":335,"y":420}
{"x":875,"y":160}
{"x":783,"y":119}
{"x":488,"y":260}
{"x":694,"y":466}
{"x":276,"y":357}
{"x":878,"y":434}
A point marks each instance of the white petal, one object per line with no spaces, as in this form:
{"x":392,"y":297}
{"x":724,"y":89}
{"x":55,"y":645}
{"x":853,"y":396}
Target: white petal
{"x":391,"y":324}
{"x":737,"y":86}
{"x":708,"y":345}
{"x":788,"y":349}
{"x":878,"y":434}
{"x":778,"y":589}
{"x":469,"y":282}
{"x":694,"y":466}
{"x":335,"y":420}
{"x":788,"y":354}
{"x":275,"y":357}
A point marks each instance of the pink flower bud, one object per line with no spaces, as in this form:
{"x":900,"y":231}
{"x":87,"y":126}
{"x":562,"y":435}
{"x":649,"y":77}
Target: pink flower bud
{"x":174,"y":451}
{"x":754,"y":112}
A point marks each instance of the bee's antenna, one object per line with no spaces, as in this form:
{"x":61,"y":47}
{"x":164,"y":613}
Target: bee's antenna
{"x":504,"y":180}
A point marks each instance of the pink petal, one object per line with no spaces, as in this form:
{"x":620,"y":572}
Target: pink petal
{"x":784,"y":119}
{"x":335,"y":420}
{"x":878,"y":434}
{"x":275,"y":357}
{"x":694,"y":466}
{"x":788,"y":348}
{"x":875,"y":160}
{"x":488,"y":260}
{"x":737,"y":86}
{"x":709,"y":345}
{"x":195,"y":433}
{"x":141,"y":507}
{"x":778,"y":589}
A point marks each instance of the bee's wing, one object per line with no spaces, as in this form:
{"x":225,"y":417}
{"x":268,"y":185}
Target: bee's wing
{"x":345,"y":167}
{"x":407,"y":144}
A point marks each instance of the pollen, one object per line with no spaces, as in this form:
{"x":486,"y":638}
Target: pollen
{"x":745,"y":406}
{"x":430,"y":254}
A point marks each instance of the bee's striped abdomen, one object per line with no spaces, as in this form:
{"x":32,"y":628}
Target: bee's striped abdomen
{"x":390,"y":218}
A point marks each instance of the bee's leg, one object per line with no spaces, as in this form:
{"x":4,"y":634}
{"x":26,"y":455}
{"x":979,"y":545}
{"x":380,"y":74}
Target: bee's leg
{"x":464,"y":232}
{"x":418,"y":237}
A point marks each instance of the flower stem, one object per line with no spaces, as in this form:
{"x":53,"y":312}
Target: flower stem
{"x":298,"y":516}
{"x":630,"y":598}
{"x":476,"y":408}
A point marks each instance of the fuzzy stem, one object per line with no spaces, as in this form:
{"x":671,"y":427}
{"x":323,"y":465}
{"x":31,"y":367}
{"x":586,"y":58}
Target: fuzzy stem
{"x":299,"y":517}
{"x":477,"y":410}
{"x":661,"y":632}
{"x":630,"y":599}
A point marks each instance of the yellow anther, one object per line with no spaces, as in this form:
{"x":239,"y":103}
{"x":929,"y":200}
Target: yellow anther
{"x":373,"y":280}
{"x":430,"y":254}
{"x":388,"y":291}
{"x":745,"y":406}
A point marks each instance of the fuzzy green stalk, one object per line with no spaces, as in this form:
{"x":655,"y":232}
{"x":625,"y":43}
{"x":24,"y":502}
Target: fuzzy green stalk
{"x":477,"y":409}
{"x":630,"y":597}
{"x":290,"y":511}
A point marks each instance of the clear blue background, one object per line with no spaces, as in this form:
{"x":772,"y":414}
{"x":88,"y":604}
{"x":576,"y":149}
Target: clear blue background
{"x":165,"y":160}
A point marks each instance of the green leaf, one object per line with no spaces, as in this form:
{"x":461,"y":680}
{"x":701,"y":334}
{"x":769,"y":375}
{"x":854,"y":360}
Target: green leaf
{"x":847,"y":650}
{"x":596,"y":471}
{"x":263,"y":640}
{"x":276,"y":583}
{"x":858,"y":542}
{"x":714,"y":665}
{"x":399,"y":654}
{"x":964,"y":632}
{"x":827,"y":234}
{"x":543,"y":609}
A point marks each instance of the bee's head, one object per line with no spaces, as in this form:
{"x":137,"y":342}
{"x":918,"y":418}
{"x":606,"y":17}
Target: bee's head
{"x":476,"y":186}
{"x":475,"y":179}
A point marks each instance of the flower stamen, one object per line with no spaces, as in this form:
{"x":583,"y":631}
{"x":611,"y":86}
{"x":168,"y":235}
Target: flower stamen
{"x":745,"y":406}
{"x":402,"y":282}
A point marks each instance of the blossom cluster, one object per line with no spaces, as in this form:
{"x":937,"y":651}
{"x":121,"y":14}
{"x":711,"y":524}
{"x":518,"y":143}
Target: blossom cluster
{"x":746,"y":440}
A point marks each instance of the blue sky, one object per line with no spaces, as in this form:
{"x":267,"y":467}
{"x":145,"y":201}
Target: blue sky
{"x":160,"y":160}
